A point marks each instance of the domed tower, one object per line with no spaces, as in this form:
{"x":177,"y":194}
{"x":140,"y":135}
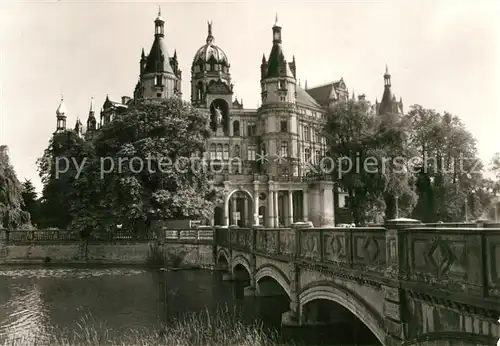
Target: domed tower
{"x":278,"y":113}
{"x":159,"y":73}
{"x":211,"y":82}
{"x":61,"y":116}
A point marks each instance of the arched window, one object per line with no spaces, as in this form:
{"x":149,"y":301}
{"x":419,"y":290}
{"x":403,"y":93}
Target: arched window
{"x":225,"y":155}
{"x":219,"y":152}
{"x":236,"y":128}
{"x":213,"y":152}
{"x":307,"y":155}
{"x":236,"y":151}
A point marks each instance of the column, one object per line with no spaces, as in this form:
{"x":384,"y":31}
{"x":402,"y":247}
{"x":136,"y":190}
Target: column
{"x":305,"y":205}
{"x":270,"y":209}
{"x":290,"y":207}
{"x":234,"y":206}
{"x":276,"y":209}
{"x":322,"y":214}
{"x":245,"y":211}
{"x":256,"y":203}
{"x":226,"y":212}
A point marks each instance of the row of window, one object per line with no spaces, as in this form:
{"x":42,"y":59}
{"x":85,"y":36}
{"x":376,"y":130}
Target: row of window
{"x":221,"y":152}
{"x":211,"y":67}
{"x":311,"y":135}
{"x":251,"y":129}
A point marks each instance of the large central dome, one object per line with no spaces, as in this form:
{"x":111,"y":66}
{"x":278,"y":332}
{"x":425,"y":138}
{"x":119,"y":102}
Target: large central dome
{"x":209,"y":52}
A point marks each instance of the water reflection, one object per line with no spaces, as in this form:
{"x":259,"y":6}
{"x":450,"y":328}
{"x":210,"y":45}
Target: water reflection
{"x":41,"y":301}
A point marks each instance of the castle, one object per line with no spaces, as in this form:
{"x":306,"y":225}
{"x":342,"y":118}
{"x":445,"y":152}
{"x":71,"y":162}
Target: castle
{"x":273,"y":144}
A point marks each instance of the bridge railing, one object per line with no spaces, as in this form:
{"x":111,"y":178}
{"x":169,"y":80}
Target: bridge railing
{"x":56,"y":235}
{"x":463,"y":262}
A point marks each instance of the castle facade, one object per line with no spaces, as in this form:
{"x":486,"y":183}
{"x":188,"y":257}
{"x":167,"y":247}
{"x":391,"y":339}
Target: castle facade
{"x":266,"y":154}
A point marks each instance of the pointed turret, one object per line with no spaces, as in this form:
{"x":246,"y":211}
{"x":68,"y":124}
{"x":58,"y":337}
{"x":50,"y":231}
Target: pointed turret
{"x":61,"y":116}
{"x":159,"y":75}
{"x":388,"y":104}
{"x":91,"y":120}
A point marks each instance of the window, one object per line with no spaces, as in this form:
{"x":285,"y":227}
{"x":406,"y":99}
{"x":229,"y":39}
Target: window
{"x":307,"y":155}
{"x":346,"y":202}
{"x":236,"y":128}
{"x":284,"y":149}
{"x":236,"y":151}
{"x":226,"y":152}
{"x":251,"y":152}
{"x":307,"y":133}
{"x":263,"y":148}
{"x":284,"y":125}
{"x":218,"y":154}
{"x":317,"y":157}
{"x":158,"y":81}
{"x":213,"y":152}
{"x":282,"y":98}
{"x":158,"y":94}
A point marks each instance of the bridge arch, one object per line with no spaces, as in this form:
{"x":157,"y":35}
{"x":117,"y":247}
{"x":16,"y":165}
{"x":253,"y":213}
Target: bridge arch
{"x":241,"y":260}
{"x":276,"y":274}
{"x":348,"y":299}
{"x":222,"y":257}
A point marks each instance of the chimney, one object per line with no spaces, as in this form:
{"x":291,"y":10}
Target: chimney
{"x":125,"y":100}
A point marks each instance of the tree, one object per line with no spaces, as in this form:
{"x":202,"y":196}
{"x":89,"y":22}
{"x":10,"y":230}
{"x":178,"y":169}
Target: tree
{"x":60,"y":168}
{"x":448,"y":169}
{"x":150,"y":165}
{"x":30,"y":198}
{"x":350,"y":132}
{"x":12,"y":214}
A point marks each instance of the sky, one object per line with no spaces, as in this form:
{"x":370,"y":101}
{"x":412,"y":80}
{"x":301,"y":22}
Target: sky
{"x":443,"y":55}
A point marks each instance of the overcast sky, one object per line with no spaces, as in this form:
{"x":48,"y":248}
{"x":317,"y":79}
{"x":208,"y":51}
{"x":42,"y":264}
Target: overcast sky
{"x":441,"y":54}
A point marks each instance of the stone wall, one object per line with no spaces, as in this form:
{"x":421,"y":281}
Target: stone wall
{"x":112,"y":253}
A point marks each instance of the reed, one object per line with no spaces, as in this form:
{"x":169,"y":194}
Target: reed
{"x":205,"y":328}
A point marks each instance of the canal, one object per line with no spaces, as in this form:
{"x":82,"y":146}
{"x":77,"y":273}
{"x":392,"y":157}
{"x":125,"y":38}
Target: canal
{"x":38,"y":302}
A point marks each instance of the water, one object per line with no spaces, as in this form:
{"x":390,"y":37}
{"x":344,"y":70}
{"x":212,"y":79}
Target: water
{"x":38,"y":300}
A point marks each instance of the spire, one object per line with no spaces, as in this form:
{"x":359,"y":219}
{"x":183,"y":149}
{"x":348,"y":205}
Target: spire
{"x":210,"y":37}
{"x":263,"y":58}
{"x":143,"y":55}
{"x":353,"y":97}
{"x":175,"y":54}
{"x":276,"y":20}
{"x":159,"y":29}
{"x":61,"y":110}
{"x":305,"y":84}
{"x":276,"y":31}
{"x":387,"y":77}
{"x":91,"y":110}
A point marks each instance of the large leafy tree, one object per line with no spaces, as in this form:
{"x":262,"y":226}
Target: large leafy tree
{"x":60,"y":168}
{"x":450,"y":180}
{"x":351,"y":135}
{"x":144,"y":169}
{"x":12,"y":214}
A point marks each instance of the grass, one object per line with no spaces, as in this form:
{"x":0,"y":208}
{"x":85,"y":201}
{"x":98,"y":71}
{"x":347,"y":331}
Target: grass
{"x":221,"y":328}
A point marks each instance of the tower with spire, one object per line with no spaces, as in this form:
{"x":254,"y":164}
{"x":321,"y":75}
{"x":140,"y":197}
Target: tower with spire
{"x":278,"y":112}
{"x":91,"y":120}
{"x":160,"y":76}
{"x":389,"y":105}
{"x":61,"y":116}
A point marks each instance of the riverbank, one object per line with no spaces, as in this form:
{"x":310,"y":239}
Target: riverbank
{"x":205,"y":328}
{"x":118,"y":253}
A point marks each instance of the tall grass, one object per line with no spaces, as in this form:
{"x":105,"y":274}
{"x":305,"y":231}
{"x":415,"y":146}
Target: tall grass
{"x":219,"y":328}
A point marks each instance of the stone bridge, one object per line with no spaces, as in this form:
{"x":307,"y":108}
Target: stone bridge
{"x":409,"y":284}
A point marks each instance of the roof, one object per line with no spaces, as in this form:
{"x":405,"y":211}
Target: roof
{"x":306,"y":100}
{"x":209,"y":51}
{"x":276,"y":60}
{"x":158,"y":59}
{"x":324,"y":93}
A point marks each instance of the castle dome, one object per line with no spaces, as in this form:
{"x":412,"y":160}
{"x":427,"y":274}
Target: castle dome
{"x":209,"y":52}
{"x":61,"y":110}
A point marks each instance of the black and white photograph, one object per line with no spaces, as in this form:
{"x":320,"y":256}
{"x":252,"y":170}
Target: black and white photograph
{"x":250,"y":173}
